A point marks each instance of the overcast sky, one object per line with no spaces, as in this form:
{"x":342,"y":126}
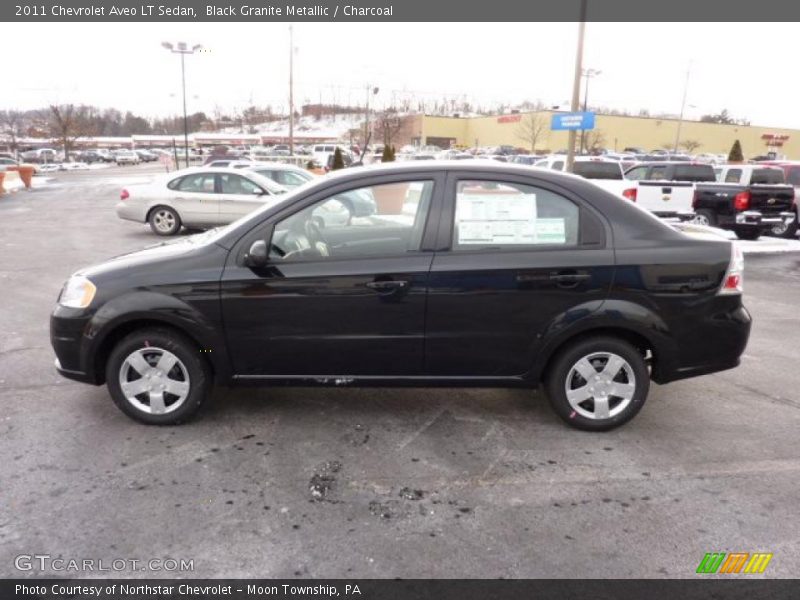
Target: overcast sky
{"x":746,"y":68}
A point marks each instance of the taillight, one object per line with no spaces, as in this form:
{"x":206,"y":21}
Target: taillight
{"x":630,"y":194}
{"x":694,"y":199}
{"x":733,"y":282}
{"x":742,"y":200}
{"x":124,"y":195}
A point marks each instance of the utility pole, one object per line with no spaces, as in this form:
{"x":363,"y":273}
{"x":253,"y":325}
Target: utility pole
{"x":588,"y":74}
{"x":683,"y":107}
{"x":576,"y":85}
{"x":291,"y":91}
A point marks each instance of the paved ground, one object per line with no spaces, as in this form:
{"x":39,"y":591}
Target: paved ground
{"x":497,"y":486}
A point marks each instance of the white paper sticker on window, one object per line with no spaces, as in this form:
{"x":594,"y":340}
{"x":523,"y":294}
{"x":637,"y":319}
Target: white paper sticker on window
{"x":551,"y":231}
{"x":498,"y":219}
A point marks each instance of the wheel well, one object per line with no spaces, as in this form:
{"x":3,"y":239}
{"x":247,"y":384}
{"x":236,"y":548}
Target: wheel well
{"x":118,"y":333}
{"x":636,"y":340}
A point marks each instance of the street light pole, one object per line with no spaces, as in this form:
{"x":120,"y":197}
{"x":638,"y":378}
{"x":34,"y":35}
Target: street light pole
{"x":576,"y":85}
{"x":183,"y":49}
{"x":291,"y":91}
{"x":683,"y":108}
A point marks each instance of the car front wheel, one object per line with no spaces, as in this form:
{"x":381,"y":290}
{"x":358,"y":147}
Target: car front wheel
{"x":157,"y":377}
{"x":164,"y":221}
{"x":598,"y":383}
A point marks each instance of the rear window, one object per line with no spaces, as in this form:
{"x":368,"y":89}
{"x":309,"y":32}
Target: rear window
{"x":597,"y":170}
{"x":766,"y":176}
{"x":694,"y":173}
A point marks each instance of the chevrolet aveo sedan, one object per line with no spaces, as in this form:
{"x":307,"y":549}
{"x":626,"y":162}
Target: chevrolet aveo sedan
{"x":466,"y":274}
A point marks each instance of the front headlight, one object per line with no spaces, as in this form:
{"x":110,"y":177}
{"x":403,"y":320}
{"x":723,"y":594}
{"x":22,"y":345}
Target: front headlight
{"x":78,"y":292}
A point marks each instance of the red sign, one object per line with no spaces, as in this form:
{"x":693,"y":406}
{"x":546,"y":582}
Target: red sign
{"x":509,"y":119}
{"x":775,"y":137}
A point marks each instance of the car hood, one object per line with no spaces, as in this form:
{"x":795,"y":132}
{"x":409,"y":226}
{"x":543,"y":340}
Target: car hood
{"x":163,"y":251}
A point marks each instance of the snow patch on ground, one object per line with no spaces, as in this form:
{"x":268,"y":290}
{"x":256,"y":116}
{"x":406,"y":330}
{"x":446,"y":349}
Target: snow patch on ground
{"x":769,"y":245}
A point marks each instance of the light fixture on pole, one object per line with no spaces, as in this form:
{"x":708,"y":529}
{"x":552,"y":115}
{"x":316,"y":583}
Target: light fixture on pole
{"x":183,"y":49}
{"x":587,"y":74}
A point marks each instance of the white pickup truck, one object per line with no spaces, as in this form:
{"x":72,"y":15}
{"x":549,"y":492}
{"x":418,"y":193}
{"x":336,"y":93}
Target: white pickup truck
{"x":605,"y":173}
{"x":667,"y":188}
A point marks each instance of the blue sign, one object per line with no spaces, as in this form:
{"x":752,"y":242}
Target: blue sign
{"x":576,"y":120}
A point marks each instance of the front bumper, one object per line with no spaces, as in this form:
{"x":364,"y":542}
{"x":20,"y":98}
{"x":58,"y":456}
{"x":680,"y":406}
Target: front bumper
{"x":67,"y":327}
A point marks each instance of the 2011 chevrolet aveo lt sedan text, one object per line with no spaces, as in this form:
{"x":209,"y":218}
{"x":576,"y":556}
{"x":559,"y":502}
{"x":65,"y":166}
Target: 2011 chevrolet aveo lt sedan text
{"x":464,"y":275}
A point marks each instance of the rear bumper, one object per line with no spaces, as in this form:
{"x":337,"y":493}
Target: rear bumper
{"x":714,"y":344}
{"x":130,"y":212}
{"x":757,"y":219}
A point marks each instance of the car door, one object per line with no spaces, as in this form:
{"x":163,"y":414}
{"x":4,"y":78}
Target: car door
{"x":239,"y":196}
{"x":339,"y":298}
{"x":195,"y":199}
{"x":515,"y":261}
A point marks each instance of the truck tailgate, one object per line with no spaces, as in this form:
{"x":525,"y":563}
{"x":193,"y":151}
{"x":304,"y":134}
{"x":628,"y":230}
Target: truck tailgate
{"x":666,"y":198}
{"x":771,"y":198}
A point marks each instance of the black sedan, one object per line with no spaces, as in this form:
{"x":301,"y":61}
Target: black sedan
{"x":466,"y":274}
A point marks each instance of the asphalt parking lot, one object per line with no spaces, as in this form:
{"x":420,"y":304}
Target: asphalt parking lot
{"x":381,"y":482}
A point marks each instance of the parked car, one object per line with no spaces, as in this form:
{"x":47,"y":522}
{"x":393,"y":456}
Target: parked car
{"x":322,"y":154}
{"x":749,"y":200}
{"x":126,"y":157}
{"x":87,"y":156}
{"x":5,"y":163}
{"x":288,"y":176}
{"x":791,"y":173}
{"x":491,"y":274}
{"x":666,"y":188}
{"x":227,"y":161}
{"x":146,"y":156}
{"x":41,"y":155}
{"x":605,"y":173}
{"x":197,"y":197}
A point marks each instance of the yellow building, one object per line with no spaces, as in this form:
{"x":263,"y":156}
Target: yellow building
{"x":612,"y":132}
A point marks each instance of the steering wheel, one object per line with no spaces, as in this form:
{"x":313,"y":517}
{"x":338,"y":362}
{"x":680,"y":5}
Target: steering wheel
{"x":307,"y":241}
{"x":316,"y":238}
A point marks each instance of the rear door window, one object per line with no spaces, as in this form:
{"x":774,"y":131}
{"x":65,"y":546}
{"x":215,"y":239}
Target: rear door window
{"x":202,"y":183}
{"x":767,"y":176}
{"x":597,"y":170}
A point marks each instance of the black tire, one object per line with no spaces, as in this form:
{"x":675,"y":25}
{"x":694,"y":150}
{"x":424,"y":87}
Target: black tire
{"x":561,"y":368}
{"x":164,"y":220}
{"x":788,"y":232}
{"x":748,"y":234}
{"x":157,"y":339}
{"x":706,"y":215}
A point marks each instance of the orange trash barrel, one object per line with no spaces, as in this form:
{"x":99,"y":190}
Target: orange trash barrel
{"x":2,"y":176}
{"x":25,"y":173}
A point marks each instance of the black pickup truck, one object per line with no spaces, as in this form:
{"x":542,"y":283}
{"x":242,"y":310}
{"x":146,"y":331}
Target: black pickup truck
{"x":747,"y":199}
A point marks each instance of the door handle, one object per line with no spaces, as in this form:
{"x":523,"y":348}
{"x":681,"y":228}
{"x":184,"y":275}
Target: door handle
{"x":387,"y":286}
{"x":569,"y":277}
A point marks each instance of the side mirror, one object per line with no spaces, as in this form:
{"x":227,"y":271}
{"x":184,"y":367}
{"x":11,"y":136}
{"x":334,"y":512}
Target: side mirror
{"x":257,"y":255}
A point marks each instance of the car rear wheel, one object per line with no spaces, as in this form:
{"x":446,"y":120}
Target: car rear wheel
{"x":598,"y":383}
{"x":705,"y":217}
{"x":164,"y":221}
{"x":157,"y":377}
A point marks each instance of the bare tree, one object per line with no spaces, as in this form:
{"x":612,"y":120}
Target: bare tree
{"x":531,"y":129}
{"x":690,"y":145}
{"x":11,"y":125}
{"x":595,"y":139}
{"x":69,"y":122}
{"x":388,"y":125}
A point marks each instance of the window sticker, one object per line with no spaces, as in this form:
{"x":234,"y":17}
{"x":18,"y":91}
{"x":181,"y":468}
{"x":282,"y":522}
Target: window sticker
{"x":489,"y":219}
